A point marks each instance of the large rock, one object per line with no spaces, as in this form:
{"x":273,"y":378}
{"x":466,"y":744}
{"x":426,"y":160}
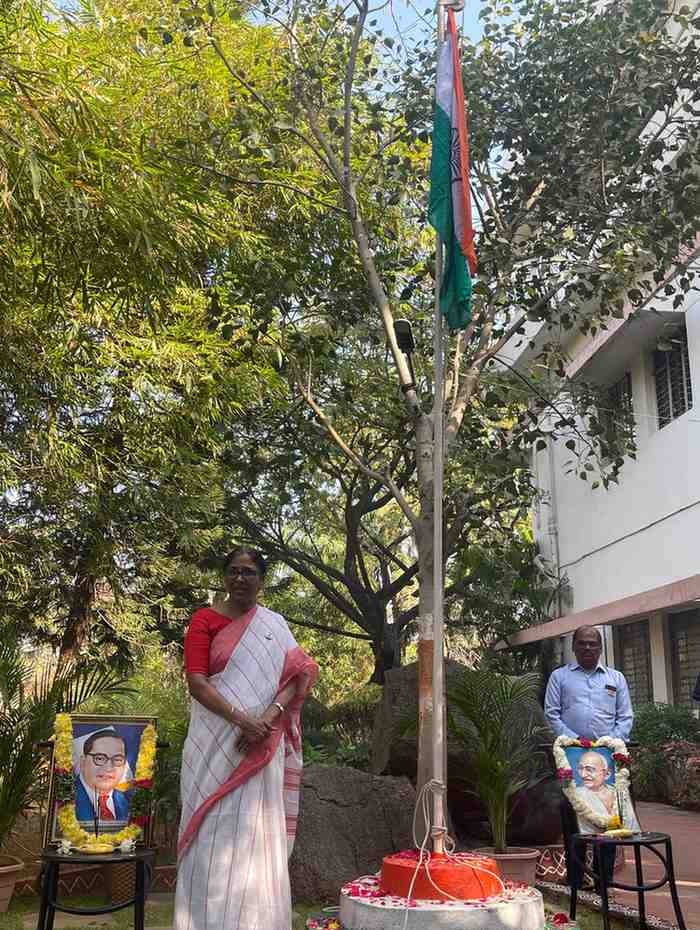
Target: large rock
{"x":394,"y":751}
{"x":349,"y":820}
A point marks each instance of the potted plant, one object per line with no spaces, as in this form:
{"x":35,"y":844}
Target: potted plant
{"x":30,"y":697}
{"x":495,"y":717}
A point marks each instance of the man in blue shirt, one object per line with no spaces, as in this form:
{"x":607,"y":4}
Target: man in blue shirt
{"x":586,"y":698}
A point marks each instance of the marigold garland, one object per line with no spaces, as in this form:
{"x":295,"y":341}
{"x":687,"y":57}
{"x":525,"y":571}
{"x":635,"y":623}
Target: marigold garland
{"x":65,"y":787}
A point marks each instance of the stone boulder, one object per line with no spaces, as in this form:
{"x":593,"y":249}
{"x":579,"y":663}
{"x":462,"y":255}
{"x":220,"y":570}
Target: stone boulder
{"x":683,"y":774}
{"x":394,"y":750}
{"x":349,"y":820}
{"x":535,"y":818}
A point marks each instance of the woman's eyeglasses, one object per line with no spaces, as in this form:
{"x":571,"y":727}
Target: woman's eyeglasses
{"x":235,"y":572}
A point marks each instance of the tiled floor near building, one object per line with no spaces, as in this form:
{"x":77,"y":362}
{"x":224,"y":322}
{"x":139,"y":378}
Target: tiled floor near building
{"x":684,"y":828}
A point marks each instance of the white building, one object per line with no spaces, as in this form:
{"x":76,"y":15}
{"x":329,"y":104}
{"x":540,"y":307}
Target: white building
{"x":631,"y":554}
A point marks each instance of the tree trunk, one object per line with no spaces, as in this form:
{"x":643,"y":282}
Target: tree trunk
{"x":78,"y":621}
{"x":387,"y":653}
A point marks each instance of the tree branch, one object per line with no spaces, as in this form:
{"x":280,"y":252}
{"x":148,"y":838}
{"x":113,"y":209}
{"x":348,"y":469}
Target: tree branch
{"x":329,"y":629}
{"x":386,"y":480}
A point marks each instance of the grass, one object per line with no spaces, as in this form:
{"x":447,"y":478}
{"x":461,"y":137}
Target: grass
{"x":160,"y":914}
{"x":157,"y":914}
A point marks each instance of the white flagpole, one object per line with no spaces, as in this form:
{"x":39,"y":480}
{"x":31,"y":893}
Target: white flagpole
{"x":439,"y":779}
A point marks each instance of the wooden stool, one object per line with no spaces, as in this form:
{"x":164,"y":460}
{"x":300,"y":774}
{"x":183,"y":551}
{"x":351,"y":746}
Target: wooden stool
{"x":51,"y":862}
{"x":639,"y":841}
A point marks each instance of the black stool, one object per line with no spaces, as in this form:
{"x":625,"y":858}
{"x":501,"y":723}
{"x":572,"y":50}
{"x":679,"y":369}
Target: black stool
{"x":51,"y":862}
{"x":640,"y":840}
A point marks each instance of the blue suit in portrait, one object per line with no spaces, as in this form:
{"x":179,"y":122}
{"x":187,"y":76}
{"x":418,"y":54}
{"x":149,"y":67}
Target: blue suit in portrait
{"x":84,"y":807}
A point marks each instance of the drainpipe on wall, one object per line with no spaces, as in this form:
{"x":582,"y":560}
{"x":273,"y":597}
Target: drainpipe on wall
{"x":553,"y":523}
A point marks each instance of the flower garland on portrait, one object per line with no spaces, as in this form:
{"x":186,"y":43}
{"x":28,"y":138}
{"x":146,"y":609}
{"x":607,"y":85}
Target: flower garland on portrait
{"x":566,"y":777}
{"x":139,"y":787}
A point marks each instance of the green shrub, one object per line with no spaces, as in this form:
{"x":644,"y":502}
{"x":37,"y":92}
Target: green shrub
{"x":314,"y":716}
{"x":353,"y":719}
{"x":342,"y":734}
{"x":654,"y":726}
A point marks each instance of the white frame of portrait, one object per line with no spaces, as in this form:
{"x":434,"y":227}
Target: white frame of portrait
{"x":52,"y":833}
{"x":570,"y":789}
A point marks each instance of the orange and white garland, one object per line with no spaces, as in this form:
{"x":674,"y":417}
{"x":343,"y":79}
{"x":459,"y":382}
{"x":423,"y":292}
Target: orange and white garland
{"x":63,"y":763}
{"x":618,"y":750}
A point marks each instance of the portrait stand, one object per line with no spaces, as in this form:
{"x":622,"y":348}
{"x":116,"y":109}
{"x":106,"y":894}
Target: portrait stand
{"x":51,"y":862}
{"x":598,"y":816}
{"x":604,"y":849}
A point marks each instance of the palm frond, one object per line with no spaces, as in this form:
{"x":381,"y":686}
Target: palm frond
{"x":75,"y":686}
{"x":15,"y":673}
{"x":493,"y":716}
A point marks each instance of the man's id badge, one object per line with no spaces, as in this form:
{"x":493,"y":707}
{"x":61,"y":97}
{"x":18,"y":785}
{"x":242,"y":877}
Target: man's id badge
{"x":611,"y":689}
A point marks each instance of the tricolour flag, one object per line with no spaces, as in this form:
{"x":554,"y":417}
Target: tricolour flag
{"x":450,"y":210}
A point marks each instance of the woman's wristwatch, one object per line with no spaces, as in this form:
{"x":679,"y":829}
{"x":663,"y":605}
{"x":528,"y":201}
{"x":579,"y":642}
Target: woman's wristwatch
{"x":280,"y":707}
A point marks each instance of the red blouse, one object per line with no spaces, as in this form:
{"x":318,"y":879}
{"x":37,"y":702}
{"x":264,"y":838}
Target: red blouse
{"x":204,"y":626}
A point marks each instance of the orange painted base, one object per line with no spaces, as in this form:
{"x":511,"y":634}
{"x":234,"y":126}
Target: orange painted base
{"x":455,"y":876}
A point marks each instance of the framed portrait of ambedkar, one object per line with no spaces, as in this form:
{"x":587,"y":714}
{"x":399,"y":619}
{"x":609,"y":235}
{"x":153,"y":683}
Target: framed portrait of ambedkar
{"x":100,"y":792}
{"x":595,"y":779}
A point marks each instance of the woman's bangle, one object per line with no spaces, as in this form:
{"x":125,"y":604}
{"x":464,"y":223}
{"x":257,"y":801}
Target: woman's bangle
{"x":280,"y":707}
{"x":234,"y":714}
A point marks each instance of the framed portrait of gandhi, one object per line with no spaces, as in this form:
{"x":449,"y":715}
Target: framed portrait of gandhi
{"x":595,"y":779}
{"x":101,"y":779}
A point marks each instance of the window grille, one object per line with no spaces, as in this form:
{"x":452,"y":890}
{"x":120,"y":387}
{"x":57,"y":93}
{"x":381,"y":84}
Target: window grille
{"x":685,"y":654}
{"x":616,"y":416}
{"x":672,"y":376}
{"x":634,"y":659}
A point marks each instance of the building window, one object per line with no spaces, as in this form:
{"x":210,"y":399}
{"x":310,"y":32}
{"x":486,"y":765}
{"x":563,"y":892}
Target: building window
{"x":672,"y":377}
{"x":633,"y":658}
{"x":617,"y":417}
{"x":685,"y":654}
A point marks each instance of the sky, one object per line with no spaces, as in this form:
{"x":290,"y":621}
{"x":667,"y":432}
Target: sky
{"x":418,"y":17}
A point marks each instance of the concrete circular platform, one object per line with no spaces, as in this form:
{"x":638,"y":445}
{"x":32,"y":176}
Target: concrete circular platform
{"x":364,"y":906}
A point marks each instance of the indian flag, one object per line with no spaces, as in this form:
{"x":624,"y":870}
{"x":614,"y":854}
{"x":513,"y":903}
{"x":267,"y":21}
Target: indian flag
{"x":450,"y":210}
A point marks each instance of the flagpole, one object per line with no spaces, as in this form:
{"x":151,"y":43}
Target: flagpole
{"x":439,"y":827}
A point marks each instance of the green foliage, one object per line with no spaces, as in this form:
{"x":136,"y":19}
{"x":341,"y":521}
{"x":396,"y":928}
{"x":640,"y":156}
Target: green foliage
{"x":654,"y":726}
{"x":345,"y":732}
{"x":353,"y":718}
{"x":208,"y":215}
{"x":345,"y":662}
{"x":119,"y":390}
{"x":509,"y":589}
{"x":492,"y":717}
{"x":33,"y":689}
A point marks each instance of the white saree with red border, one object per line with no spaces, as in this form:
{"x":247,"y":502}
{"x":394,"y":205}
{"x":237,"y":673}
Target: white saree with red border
{"x":239,"y":812}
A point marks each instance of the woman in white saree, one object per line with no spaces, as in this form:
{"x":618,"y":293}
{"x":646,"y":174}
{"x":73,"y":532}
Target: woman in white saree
{"x":241,"y":764}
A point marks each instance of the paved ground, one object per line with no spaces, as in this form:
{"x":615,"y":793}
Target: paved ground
{"x":684,"y":828}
